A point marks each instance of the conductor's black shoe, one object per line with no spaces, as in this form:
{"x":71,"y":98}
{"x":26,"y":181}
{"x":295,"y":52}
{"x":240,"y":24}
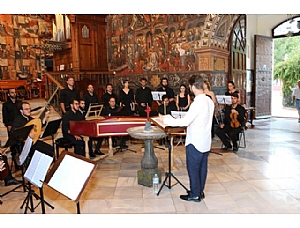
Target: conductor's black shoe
{"x":12,"y":182}
{"x":99,"y":153}
{"x":202,"y":196}
{"x":190,"y":198}
{"x":235,"y":149}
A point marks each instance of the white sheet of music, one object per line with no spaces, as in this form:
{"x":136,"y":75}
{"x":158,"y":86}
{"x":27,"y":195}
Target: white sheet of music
{"x":157,"y":95}
{"x":160,"y":120}
{"x":37,"y":169}
{"x":178,"y":114}
{"x":26,"y":150}
{"x":70,"y":176}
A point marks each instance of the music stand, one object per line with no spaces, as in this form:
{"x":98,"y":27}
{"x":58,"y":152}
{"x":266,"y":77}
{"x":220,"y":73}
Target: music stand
{"x":19,"y":135}
{"x":169,"y":174}
{"x":51,"y":130}
{"x":157,"y":95}
{"x":94,"y":112}
{"x":35,"y":174}
{"x":223,"y":99}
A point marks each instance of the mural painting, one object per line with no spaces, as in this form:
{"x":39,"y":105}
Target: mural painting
{"x":142,"y":43}
{"x":17,"y":34}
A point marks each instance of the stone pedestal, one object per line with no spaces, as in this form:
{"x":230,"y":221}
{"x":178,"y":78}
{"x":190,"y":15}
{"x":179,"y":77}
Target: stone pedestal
{"x":149,"y":163}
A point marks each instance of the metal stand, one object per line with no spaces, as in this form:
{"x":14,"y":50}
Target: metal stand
{"x":78,"y":207}
{"x":29,"y":199}
{"x":120,"y":148}
{"x":169,"y":174}
{"x":51,"y":130}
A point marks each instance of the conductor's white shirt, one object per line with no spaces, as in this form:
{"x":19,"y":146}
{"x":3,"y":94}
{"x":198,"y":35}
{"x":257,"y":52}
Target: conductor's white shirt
{"x":198,"y":120}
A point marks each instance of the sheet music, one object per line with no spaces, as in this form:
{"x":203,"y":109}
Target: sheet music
{"x":70,"y":176}
{"x":157,"y":95}
{"x":178,"y":114}
{"x":37,"y":169}
{"x":25,"y":151}
{"x":160,"y":120}
{"x":223,"y":99}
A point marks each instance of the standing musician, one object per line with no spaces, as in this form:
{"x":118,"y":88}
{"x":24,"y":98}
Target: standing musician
{"x":90,"y":97}
{"x":68,"y":94}
{"x":165,"y":88}
{"x":10,"y":109}
{"x":108,"y":94}
{"x":143,"y":98}
{"x":232,"y":124}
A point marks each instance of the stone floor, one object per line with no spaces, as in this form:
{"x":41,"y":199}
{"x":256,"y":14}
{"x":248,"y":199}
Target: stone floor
{"x":263,"y":178}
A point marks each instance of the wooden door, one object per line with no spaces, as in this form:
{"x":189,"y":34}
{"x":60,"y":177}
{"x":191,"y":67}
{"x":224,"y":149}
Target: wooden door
{"x":263,"y":57}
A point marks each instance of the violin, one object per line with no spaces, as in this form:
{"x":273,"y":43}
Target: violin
{"x":234,"y":123}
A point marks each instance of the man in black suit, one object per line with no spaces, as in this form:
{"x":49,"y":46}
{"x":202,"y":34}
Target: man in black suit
{"x":90,"y":97}
{"x":108,"y":94}
{"x":143,"y":98}
{"x":73,"y":114}
{"x":228,"y":130}
{"x":67,"y":95}
{"x":10,"y":109}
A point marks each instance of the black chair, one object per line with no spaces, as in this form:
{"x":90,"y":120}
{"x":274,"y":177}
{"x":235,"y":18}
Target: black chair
{"x":62,"y":143}
{"x":242,"y":136}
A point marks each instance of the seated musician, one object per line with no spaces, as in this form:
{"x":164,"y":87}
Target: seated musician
{"x":73,"y":114}
{"x":21,"y":121}
{"x":114,"y":110}
{"x":90,"y":142}
{"x":166,"y":107}
{"x":232,"y":124}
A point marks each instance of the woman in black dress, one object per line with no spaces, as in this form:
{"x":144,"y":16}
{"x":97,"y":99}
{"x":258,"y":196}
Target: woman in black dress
{"x":183,"y":99}
{"x":127,"y":99}
{"x":231,"y":89}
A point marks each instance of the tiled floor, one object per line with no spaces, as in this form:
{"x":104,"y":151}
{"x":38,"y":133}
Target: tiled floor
{"x":263,"y":178}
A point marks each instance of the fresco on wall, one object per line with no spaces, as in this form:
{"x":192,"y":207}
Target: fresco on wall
{"x":153,"y":43}
{"x":17,"y":34}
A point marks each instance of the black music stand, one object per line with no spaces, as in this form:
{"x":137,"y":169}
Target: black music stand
{"x":28,"y":199}
{"x":51,"y":130}
{"x":19,"y":135}
{"x":169,"y":174}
